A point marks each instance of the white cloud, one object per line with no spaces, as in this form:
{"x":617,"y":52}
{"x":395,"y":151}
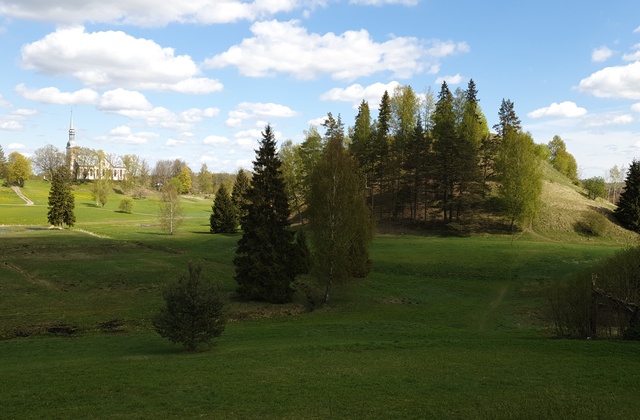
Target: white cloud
{"x":601,"y":54}
{"x":10,"y":125}
{"x":610,"y":119}
{"x":384,"y":2}
{"x":115,"y":59}
{"x":317,"y":121}
{"x":15,"y":146}
{"x":53,"y":95}
{"x":123,"y":134}
{"x":451,"y":80}
{"x":175,"y":142}
{"x":287,"y":47}
{"x":636,"y":107}
{"x":635,"y":56}
{"x":121,"y":99}
{"x":211,"y":140}
{"x":614,"y":82}
{"x":233,"y":122}
{"x":24,"y":112}
{"x":4,"y":103}
{"x":148,"y":12}
{"x":637,"y":30}
{"x":356,"y":93}
{"x":248,"y":139}
{"x":194,"y":115}
{"x":565,"y":109}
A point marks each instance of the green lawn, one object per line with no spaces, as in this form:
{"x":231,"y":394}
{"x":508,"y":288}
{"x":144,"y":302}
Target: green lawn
{"x":442,"y":328}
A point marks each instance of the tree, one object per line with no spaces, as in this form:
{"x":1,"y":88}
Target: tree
{"x":3,"y":164}
{"x":47,"y":159}
{"x":224,"y":216}
{"x":184,"y":178}
{"x":561,"y":160}
{"x":19,"y":169}
{"x":171,"y":215}
{"x":162,"y":173}
{"x":628,"y":210}
{"x":339,"y":218}
{"x":194,"y":310}
{"x":263,"y":257}
{"x":85,"y":159}
{"x":132,"y":168}
{"x":445,"y":150}
{"x":293,"y":173}
{"x":100,"y":190}
{"x":61,"y":199}
{"x":595,"y":187}
{"x":126,"y":205}
{"x":520,"y":177}
{"x":205,"y":180}
{"x":239,"y":193}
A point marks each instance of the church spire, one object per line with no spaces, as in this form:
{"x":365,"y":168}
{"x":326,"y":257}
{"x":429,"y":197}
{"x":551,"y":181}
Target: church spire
{"x":72,"y":134}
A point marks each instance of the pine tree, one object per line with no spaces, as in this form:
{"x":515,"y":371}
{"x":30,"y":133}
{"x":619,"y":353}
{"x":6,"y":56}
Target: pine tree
{"x":239,"y":193}
{"x":224,"y":217}
{"x":61,"y":199}
{"x":445,"y":149}
{"x":628,"y":210}
{"x":193,"y":312}
{"x":263,"y":261}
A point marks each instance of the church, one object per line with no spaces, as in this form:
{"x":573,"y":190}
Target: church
{"x":87,"y":164}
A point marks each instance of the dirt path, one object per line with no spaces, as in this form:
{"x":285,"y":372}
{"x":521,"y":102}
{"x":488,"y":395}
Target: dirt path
{"x":17,"y":191}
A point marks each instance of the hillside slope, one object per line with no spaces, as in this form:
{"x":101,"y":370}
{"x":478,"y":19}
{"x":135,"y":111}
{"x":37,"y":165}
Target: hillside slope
{"x":565,"y":206}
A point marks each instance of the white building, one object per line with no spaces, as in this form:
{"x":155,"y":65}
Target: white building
{"x":88,"y":164}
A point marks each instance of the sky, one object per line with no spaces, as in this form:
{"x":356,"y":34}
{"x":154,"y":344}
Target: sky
{"x":198,"y":80}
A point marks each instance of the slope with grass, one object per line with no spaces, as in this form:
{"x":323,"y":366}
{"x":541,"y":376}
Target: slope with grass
{"x":442,"y":328}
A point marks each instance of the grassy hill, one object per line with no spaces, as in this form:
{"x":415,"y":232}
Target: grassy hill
{"x":444,"y":327}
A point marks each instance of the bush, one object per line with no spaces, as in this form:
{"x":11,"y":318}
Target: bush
{"x":595,"y":187}
{"x":194,"y":311}
{"x":592,"y":223}
{"x":602,"y":302}
{"x":126,"y":205}
{"x":139,"y":193}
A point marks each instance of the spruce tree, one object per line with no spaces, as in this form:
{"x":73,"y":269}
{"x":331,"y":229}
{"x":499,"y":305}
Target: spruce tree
{"x":224,"y":218}
{"x":239,"y":193}
{"x":263,"y":261}
{"x":628,"y":210}
{"x":61,"y":199}
{"x":445,"y":149}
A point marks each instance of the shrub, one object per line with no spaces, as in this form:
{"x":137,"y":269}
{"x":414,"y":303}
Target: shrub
{"x":595,"y":187}
{"x":139,"y":193}
{"x":126,"y":205}
{"x":194,"y":311}
{"x":592,"y":223}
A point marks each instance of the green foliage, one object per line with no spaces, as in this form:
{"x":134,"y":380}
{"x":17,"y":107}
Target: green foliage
{"x":205,"y":180}
{"x":61,"y":200}
{"x":18,"y":169}
{"x":194,"y":311}
{"x":595,"y":187}
{"x":100,"y":190}
{"x":520,"y":178}
{"x":262,"y":262}
{"x":239,"y":193}
{"x":603,"y":301}
{"x":339,"y":218}
{"x":224,"y":216}
{"x":592,"y":223}
{"x":628,"y":211}
{"x":184,"y":180}
{"x":126,"y":205}
{"x":171,"y":214}
{"x":3,"y":164}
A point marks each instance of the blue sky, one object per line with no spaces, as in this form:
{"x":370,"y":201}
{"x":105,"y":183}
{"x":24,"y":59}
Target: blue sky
{"x":198,"y":80}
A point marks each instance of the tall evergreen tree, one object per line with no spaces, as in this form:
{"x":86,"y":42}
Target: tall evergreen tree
{"x":628,"y":210}
{"x":508,"y":120}
{"x":224,"y":216}
{"x":263,"y":257}
{"x":381,"y":145}
{"x":239,"y":193}
{"x":445,"y":149}
{"x":61,"y":199}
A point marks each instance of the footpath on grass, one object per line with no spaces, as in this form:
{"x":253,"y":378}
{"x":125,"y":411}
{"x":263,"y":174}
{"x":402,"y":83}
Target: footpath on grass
{"x":17,"y":191}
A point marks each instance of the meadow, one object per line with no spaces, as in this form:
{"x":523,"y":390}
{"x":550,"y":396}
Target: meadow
{"x":443,"y":327}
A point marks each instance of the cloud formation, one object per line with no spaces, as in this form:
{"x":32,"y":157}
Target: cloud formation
{"x":601,"y":54}
{"x":614,"y":82}
{"x":115,"y":59}
{"x":565,"y":109}
{"x":356,"y":93}
{"x":287,"y":47}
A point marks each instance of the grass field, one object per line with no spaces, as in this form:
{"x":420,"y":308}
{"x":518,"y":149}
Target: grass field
{"x":442,"y":328}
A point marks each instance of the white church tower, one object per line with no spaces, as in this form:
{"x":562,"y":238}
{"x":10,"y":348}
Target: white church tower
{"x":71,"y":146}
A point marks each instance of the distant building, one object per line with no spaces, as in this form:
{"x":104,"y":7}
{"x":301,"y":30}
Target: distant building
{"x":87,"y":164}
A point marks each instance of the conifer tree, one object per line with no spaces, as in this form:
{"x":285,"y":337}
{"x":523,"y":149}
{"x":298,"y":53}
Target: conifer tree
{"x":445,"y":149}
{"x":61,"y":199}
{"x":224,"y":216}
{"x":628,"y":210}
{"x":263,"y":261}
{"x":239,"y":193}
{"x":381,"y":144}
